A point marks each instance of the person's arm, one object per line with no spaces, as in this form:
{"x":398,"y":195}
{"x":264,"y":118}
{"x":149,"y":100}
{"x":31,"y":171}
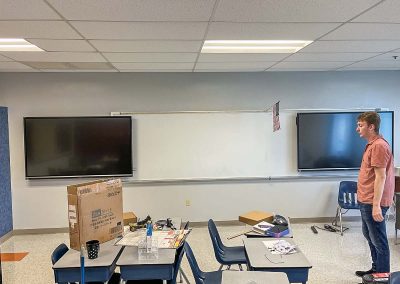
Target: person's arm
{"x":380,"y":177}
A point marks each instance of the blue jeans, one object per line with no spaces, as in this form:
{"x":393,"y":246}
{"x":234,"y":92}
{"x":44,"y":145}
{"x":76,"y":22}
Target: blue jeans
{"x":375,"y":233}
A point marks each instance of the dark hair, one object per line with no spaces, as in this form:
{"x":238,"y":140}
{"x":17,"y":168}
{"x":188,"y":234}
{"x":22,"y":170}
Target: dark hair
{"x":371,"y":117}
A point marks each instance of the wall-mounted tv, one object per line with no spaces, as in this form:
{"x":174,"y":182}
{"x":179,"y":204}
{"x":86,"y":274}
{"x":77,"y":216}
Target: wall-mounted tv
{"x":63,"y":147}
{"x":329,"y":141}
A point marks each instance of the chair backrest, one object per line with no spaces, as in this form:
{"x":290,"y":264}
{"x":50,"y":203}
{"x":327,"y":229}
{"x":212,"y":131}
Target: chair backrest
{"x":219,"y":248}
{"x":197,"y":273}
{"x":347,"y":197}
{"x":178,"y":259}
{"x":58,"y":253}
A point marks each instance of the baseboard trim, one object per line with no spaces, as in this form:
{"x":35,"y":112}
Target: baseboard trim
{"x":6,"y":236}
{"x":40,"y":231}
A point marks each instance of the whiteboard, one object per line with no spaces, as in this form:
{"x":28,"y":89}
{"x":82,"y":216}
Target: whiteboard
{"x":212,"y":145}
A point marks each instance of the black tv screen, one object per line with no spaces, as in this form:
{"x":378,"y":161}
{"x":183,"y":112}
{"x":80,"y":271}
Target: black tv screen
{"x":61,"y":147}
{"x":329,"y":141}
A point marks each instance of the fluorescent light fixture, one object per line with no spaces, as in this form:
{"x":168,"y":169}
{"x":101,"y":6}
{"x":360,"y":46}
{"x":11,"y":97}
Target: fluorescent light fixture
{"x":17,"y":44}
{"x":253,"y":46}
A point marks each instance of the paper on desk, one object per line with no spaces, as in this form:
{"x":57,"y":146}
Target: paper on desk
{"x":165,"y":239}
{"x":279,"y":247}
{"x":130,"y":239}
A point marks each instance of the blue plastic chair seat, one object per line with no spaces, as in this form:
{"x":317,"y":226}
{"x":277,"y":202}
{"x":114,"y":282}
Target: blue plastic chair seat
{"x":225,"y":255}
{"x":347,"y":199}
{"x":233,"y":255}
{"x":201,"y":277}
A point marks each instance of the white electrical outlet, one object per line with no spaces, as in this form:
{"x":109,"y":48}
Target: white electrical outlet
{"x":187,"y":202}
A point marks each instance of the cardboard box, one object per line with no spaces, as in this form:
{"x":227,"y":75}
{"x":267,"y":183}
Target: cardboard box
{"x":129,"y":217}
{"x":94,"y":211}
{"x":254,"y":217}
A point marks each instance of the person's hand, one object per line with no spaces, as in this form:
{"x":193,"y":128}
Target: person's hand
{"x":377,"y":213}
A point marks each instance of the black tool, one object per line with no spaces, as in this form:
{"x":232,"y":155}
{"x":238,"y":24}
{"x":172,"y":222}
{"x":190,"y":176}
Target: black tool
{"x":314,"y":230}
{"x":329,"y":228}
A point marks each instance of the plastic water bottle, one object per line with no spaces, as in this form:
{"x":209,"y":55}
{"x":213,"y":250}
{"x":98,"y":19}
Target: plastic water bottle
{"x":149,"y":234}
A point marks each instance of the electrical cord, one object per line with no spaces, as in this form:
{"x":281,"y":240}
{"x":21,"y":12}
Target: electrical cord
{"x":330,"y":228}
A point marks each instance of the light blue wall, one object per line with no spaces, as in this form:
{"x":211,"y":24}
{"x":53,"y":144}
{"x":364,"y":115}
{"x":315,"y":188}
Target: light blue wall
{"x":6,"y":221}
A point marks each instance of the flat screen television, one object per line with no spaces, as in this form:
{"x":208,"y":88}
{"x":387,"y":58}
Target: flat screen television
{"x":329,"y":141}
{"x":64,"y":147}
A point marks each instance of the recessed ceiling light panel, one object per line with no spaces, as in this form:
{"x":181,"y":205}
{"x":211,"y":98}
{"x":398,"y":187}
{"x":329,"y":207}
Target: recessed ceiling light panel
{"x":253,"y":46}
{"x":17,"y":44}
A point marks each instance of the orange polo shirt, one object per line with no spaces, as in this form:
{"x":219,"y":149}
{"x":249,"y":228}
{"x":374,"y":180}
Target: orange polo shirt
{"x":377,"y":154}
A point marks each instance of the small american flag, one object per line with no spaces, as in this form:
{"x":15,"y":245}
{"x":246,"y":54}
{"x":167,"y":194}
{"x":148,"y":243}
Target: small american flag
{"x":275,"y":117}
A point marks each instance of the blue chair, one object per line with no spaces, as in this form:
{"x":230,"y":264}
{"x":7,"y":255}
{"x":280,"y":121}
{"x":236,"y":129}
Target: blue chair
{"x":225,"y":255}
{"x":347,"y":199}
{"x":394,"y":278}
{"x":56,"y":255}
{"x":200,"y":277}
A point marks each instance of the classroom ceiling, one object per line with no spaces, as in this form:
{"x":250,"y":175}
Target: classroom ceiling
{"x":167,"y":35}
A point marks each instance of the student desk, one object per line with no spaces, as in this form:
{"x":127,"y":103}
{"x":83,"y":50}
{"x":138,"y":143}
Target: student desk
{"x":246,"y":277}
{"x":67,"y":268}
{"x":296,"y":266}
{"x":132,"y":268}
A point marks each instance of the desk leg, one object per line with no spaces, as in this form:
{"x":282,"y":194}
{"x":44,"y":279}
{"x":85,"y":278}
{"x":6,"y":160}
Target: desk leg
{"x":122,"y":281}
{"x":182,"y":274}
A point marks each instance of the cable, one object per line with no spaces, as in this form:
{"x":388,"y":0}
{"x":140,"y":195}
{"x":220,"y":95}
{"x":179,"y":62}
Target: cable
{"x":331,"y":229}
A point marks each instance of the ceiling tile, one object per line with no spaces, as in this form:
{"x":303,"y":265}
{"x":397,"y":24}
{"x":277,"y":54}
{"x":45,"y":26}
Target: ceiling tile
{"x":3,"y":58}
{"x":233,"y":65}
{"x":365,"y":31}
{"x":339,"y":56}
{"x":350,"y":68}
{"x":290,"y":10}
{"x":388,"y":56}
{"x":26,"y":10}
{"x":273,"y":69}
{"x":141,"y":30}
{"x":78,"y":70}
{"x":55,"y":56}
{"x":62,"y":45}
{"x":157,"y":70}
{"x":265,"y":31}
{"x":37,"y":29}
{"x":240,"y":57}
{"x":351,"y":46}
{"x":70,"y":65}
{"x":135,"y":10}
{"x":310,"y":65}
{"x":152,"y":65}
{"x":151,"y":57}
{"x":386,"y":12}
{"x":13,"y":66}
{"x":147,"y":45}
{"x":378,"y":64}
{"x":230,"y":70}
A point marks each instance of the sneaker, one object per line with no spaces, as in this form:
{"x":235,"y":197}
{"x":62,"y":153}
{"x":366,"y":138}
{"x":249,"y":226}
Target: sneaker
{"x":362,"y":273}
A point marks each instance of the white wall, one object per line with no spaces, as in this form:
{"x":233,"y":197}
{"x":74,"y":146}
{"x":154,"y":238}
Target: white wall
{"x":43,"y":204}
